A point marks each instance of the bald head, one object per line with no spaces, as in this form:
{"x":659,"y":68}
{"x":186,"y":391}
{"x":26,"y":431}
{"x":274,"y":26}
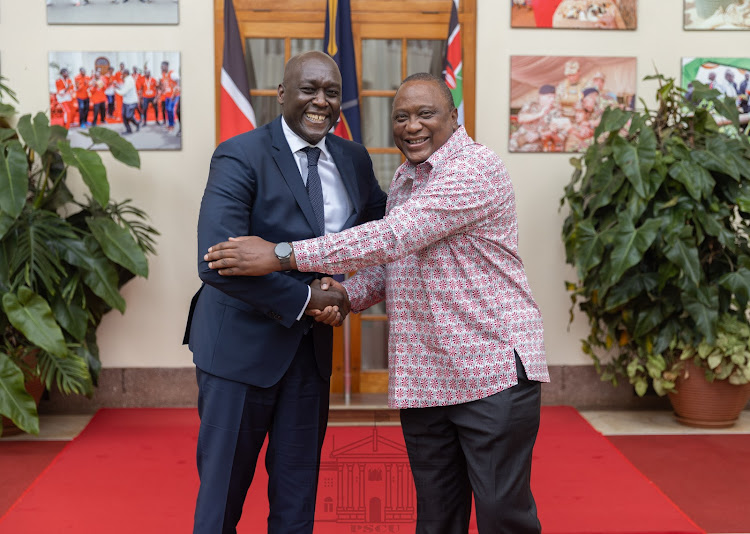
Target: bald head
{"x":294,"y":64}
{"x":310,"y":95}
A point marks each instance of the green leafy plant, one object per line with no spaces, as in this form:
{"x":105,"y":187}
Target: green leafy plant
{"x":658,"y":234}
{"x":62,"y":260}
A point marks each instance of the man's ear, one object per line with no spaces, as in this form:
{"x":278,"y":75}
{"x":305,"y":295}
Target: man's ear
{"x":280,"y":93}
{"x":454,"y":119}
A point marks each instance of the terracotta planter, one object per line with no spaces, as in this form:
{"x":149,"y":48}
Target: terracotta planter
{"x":706,"y":8}
{"x":703,"y":404}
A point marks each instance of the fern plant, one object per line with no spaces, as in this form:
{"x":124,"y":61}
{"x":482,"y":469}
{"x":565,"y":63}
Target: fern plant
{"x":63,"y":260}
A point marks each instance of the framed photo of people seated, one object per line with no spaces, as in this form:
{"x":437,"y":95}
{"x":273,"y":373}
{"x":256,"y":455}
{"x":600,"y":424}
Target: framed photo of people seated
{"x":556,"y":102}
{"x":137,"y":94}
{"x":575,"y":14}
{"x":716,"y":14}
{"x":729,"y":76}
{"x":113,"y":11}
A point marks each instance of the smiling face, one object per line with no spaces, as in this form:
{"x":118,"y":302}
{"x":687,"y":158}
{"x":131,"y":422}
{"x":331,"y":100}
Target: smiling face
{"x":422,"y":119}
{"x":310,"y":95}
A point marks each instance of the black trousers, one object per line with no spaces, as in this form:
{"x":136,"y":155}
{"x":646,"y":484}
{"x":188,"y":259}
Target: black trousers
{"x":482,"y":448}
{"x":100,"y":112}
{"x":235,"y":419}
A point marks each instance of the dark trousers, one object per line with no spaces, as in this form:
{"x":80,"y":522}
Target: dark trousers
{"x":144,"y":110}
{"x":128,"y":113}
{"x":110,"y":105}
{"x":100,"y":112}
{"x":482,"y":448}
{"x":83,"y":111}
{"x":235,"y":419}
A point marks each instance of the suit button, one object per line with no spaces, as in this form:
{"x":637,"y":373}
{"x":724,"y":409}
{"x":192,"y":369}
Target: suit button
{"x":274,"y":315}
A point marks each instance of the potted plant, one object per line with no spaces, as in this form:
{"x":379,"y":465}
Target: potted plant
{"x":62,"y":259}
{"x":658,"y":234}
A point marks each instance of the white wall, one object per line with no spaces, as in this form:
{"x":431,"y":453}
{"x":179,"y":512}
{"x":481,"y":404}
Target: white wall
{"x":170,"y":184}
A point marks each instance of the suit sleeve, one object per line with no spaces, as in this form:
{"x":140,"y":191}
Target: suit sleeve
{"x":225,"y":212}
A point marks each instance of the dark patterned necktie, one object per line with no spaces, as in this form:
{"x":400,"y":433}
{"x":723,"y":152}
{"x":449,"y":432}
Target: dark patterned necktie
{"x":314,"y":189}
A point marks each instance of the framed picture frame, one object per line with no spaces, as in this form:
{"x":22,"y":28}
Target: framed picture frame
{"x":575,"y":14}
{"x":113,"y":11}
{"x":556,"y":102}
{"x":137,"y":94}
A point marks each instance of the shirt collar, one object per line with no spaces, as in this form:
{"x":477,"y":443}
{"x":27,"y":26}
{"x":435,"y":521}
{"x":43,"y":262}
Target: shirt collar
{"x":454,"y":144}
{"x":296,"y":143}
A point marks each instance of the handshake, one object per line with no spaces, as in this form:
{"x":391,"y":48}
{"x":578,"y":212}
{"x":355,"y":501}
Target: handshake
{"x":329,"y":302}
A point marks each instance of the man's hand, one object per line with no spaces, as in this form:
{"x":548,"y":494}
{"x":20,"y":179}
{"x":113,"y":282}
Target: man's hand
{"x":329,"y":302}
{"x":243,"y":256}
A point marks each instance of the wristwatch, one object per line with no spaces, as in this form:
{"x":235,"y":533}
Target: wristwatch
{"x":283,"y":252}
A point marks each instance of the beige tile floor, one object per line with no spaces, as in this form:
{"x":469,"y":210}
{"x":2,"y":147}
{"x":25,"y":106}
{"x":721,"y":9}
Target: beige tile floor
{"x":609,"y":423}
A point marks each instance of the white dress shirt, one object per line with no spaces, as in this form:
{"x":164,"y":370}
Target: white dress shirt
{"x":337,"y":205}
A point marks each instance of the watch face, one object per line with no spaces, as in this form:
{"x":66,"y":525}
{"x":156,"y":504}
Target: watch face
{"x":283,"y":250}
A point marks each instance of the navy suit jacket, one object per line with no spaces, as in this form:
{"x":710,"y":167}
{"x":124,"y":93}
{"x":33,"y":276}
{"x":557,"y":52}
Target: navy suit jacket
{"x":245,"y":328}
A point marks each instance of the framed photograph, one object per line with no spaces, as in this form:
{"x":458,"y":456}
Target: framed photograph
{"x":729,"y":76}
{"x":113,"y":11}
{"x":556,"y":102}
{"x":717,"y":14}
{"x":575,"y":14}
{"x":137,"y":94}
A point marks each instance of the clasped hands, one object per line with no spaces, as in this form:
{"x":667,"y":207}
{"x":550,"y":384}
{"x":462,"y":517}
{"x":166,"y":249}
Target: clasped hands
{"x":253,"y":256}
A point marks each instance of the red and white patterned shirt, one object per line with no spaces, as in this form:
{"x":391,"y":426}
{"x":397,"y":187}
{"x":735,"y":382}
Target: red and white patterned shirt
{"x":445,"y":258}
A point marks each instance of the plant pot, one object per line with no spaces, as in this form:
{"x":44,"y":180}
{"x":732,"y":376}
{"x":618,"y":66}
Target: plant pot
{"x":35,"y":389}
{"x":706,"y":8}
{"x":703,"y":404}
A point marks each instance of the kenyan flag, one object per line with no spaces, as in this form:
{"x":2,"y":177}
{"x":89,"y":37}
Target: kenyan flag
{"x":453,"y":63}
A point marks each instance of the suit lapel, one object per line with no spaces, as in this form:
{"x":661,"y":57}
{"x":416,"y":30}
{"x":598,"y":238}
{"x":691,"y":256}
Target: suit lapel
{"x":346,"y":170}
{"x":290,"y":172}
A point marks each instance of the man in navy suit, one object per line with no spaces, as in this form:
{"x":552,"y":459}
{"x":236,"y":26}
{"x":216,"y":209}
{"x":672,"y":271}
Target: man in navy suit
{"x":263,"y":366}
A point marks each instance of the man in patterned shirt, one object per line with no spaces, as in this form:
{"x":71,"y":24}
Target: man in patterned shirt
{"x":466,"y":349}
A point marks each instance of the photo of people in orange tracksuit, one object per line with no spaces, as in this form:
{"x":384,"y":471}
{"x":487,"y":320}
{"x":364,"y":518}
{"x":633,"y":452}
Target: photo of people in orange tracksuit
{"x":104,"y":87}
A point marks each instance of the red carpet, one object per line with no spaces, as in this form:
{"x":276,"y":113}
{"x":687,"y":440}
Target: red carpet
{"x":20,"y":463}
{"x":706,"y":474}
{"x":132,"y":470}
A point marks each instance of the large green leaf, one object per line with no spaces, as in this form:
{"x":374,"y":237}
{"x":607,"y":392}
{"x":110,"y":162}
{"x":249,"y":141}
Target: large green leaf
{"x":6,"y":133}
{"x":6,"y":221}
{"x":626,"y":157}
{"x":648,"y":319}
{"x":702,"y":305}
{"x":646,"y":151}
{"x":14,"y":180}
{"x":682,"y":252}
{"x":121,"y":148}
{"x":36,"y":133}
{"x":742,"y":162}
{"x":695,"y":178}
{"x":92,"y":170}
{"x":100,"y":274}
{"x":71,"y":315}
{"x":605,"y":184}
{"x":629,"y":245}
{"x":739,"y":284}
{"x":6,"y":110}
{"x":15,"y":401}
{"x":715,"y":162}
{"x":118,"y":244}
{"x":629,"y":288}
{"x":32,"y":315}
{"x":612,"y":120}
{"x":589,"y":248}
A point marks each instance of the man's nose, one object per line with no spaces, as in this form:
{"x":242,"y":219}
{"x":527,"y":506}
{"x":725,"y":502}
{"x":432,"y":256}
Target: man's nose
{"x":320,"y":98}
{"x":413,"y":124}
